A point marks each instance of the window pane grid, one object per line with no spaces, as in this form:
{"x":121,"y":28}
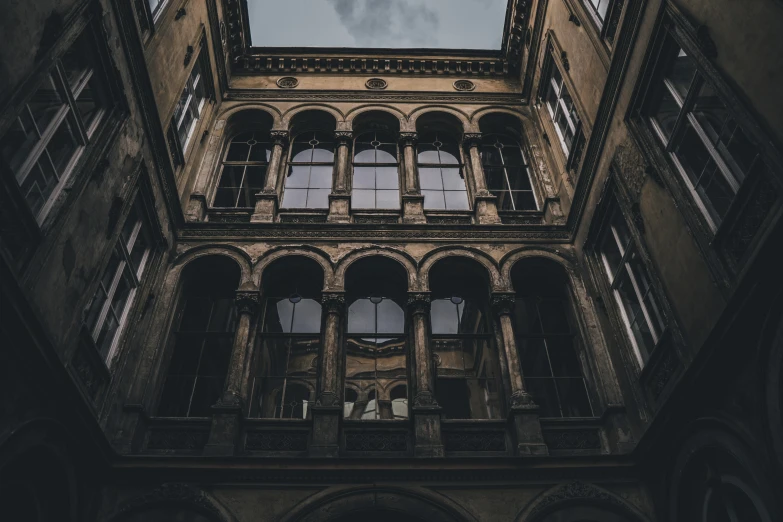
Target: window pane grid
{"x":515,"y":189}
{"x":441,"y":174}
{"x":310,"y":170}
{"x":375,"y":181}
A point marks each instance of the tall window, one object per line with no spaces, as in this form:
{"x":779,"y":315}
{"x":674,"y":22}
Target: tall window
{"x":203,"y":340}
{"x":376,"y":360}
{"x":440,"y":173}
{"x":599,"y":8}
{"x":290,"y":345}
{"x":468,"y":377}
{"x":507,"y":173}
{"x":244,"y":170}
{"x":156,"y":6}
{"x":547,"y":338}
{"x":711,"y":151}
{"x":632,"y":288}
{"x":309,"y":180}
{"x":107,"y":312}
{"x":47,"y":138}
{"x":190,"y":105}
{"x":561,"y":108}
{"x":376,"y":182}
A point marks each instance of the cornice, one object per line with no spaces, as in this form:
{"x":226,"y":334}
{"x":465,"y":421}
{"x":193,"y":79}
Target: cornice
{"x":493,"y":98}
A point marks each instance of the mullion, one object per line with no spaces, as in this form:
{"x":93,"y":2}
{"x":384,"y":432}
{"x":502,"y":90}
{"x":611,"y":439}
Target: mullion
{"x":200,"y":358}
{"x":685,"y":109}
{"x":61,"y":84}
{"x":39,"y":148}
{"x":115,"y":280}
{"x":713,"y":152}
{"x":239,"y":188}
{"x":642,"y":305}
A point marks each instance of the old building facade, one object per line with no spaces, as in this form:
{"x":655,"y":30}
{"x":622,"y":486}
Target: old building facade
{"x":274,"y":284}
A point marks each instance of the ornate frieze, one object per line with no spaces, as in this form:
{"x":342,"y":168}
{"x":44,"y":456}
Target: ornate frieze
{"x":174,"y":438}
{"x":471,"y":139}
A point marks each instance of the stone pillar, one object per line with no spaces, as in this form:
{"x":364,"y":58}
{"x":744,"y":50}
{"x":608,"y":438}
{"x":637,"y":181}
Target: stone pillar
{"x":412,"y":200}
{"x":227,"y":412}
{"x":328,"y":411}
{"x":340,"y":198}
{"x":268,"y":200}
{"x":523,"y":412}
{"x":426,"y":411}
{"x":485,"y":203}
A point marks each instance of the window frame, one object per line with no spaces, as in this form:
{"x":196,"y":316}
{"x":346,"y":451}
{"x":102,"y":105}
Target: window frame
{"x":460,"y":166}
{"x":375,"y":190}
{"x":525,"y":166}
{"x":149,"y":18}
{"x":289,"y":164}
{"x":189,"y":108}
{"x":224,"y":162}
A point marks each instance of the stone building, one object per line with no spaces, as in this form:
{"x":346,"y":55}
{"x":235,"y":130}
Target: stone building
{"x":253,"y":284}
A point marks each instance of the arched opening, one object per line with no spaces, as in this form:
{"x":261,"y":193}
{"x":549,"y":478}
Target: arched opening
{"x":379,"y":516}
{"x":202,"y":339}
{"x":505,"y":162}
{"x":376,"y":179}
{"x":245,"y":159}
{"x":287,"y":347}
{"x":376,"y":344}
{"x":308,"y":182}
{"x":548,"y":339}
{"x":440,"y":162}
{"x":467,"y":368}
{"x":583,"y":514}
{"x":166,"y":514}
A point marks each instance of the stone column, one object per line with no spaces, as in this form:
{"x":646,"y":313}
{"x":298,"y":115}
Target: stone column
{"x":426,"y":411}
{"x":268,"y":200}
{"x":327,"y":412}
{"x":485,"y":203}
{"x":228,"y":411}
{"x":523,"y":411}
{"x":340,"y":198}
{"x":412,"y":200}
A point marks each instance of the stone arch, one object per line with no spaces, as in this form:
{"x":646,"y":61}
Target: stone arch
{"x":476,"y":117}
{"x":463,"y":117}
{"x":322,"y":107}
{"x":574,"y":495}
{"x":483,"y":258}
{"x":416,"y":503}
{"x":352,"y":114}
{"x":508,"y":261}
{"x":273,"y":254}
{"x":235,"y":253}
{"x":171,"y":496}
{"x":274,"y":112}
{"x":403,"y":258}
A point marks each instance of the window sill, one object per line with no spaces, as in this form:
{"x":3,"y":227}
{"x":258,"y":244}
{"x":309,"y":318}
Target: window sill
{"x":303,"y":216}
{"x":521,"y":217}
{"x":226,"y":215}
{"x":375,"y":216}
{"x":449,"y":217}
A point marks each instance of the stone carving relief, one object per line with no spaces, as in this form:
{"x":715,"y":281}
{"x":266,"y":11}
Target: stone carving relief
{"x":376,"y":84}
{"x":464,"y":85}
{"x":288,"y":82}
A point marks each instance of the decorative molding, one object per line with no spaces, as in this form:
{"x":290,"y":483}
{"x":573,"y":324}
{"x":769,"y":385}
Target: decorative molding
{"x":333,"y":302}
{"x":485,"y":440}
{"x":366,"y":440}
{"x":223,"y":36}
{"x":464,"y":86}
{"x":572,"y":439}
{"x":503,"y":303}
{"x":303,"y":218}
{"x":277,"y":440}
{"x":614,"y":20}
{"x":575,"y":491}
{"x":280,"y":137}
{"x":288,"y":82}
{"x":471,"y":139}
{"x":425,"y":399}
{"x":329,"y":399}
{"x":181,"y":12}
{"x":507,"y":99}
{"x":419,"y":303}
{"x":409,"y":138}
{"x":564,"y":59}
{"x":376,"y":220}
{"x":343,"y":136}
{"x":247,"y":302}
{"x":450,"y":220}
{"x":376,"y":84}
{"x":523,"y":401}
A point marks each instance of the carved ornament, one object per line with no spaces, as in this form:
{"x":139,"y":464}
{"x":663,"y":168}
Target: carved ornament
{"x":503,"y":303}
{"x":376,"y":84}
{"x":409,"y":138}
{"x":247,"y":302}
{"x":287,"y":82}
{"x":333,"y":302}
{"x":419,"y":303}
{"x":471,"y":139}
{"x":279,"y":137}
{"x":464,"y":85}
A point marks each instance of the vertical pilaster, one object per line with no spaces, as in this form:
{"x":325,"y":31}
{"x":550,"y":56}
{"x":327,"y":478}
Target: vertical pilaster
{"x":426,"y":411}
{"x":340,"y":198}
{"x":327,"y":412}
{"x":485,"y":204}
{"x":412,"y":200}
{"x":523,"y":411}
{"x":268,"y":200}
{"x":227,"y":412}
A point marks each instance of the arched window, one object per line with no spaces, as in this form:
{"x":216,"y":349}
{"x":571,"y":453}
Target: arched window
{"x":468,"y":373}
{"x":547,"y":340}
{"x":376,"y":182}
{"x":507,"y":172}
{"x":203,"y":339}
{"x":441,"y":175}
{"x":244,"y":169}
{"x":290,"y":340}
{"x":376,"y":344}
{"x":309,"y":180}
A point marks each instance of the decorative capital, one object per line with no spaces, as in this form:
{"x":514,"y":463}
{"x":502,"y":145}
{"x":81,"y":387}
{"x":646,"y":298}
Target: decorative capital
{"x":425,"y":399}
{"x":471,"y":139}
{"x":409,"y":138}
{"x":333,"y":302}
{"x":247,"y":302}
{"x":343,"y":136}
{"x":522,"y":400}
{"x":279,"y":137}
{"x":419,"y":303}
{"x":229,"y":402}
{"x":328,"y":399}
{"x":503,"y":303}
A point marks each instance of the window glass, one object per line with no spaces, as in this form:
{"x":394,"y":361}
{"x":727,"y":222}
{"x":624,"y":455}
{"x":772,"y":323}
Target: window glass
{"x":244,"y":170}
{"x":190,"y":105}
{"x":561,"y":108}
{"x":375,"y":179}
{"x":309,"y":179}
{"x":507,"y":177}
{"x":441,"y":178}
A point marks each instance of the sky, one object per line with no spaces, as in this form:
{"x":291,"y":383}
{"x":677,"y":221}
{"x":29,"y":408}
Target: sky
{"x":445,"y":24}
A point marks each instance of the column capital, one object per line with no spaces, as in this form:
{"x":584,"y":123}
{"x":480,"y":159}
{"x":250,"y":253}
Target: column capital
{"x":247,"y":301}
{"x":333,"y":302}
{"x":522,"y":400}
{"x":425,"y":399}
{"x":343,"y":136}
{"x":408,"y":138}
{"x":279,"y":137}
{"x":419,"y":302}
{"x":503,"y":302}
{"x":471,"y":139}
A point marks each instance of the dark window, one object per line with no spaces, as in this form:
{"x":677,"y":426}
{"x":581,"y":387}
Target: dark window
{"x":309,"y":180}
{"x":441,"y":174}
{"x":507,"y":173}
{"x":631,"y":286}
{"x":376,"y":182}
{"x":203,"y":341}
{"x":156,"y":6}
{"x":47,"y":138}
{"x":244,"y":170}
{"x":598,"y":8}
{"x":561,"y":108}
{"x":106,"y":314}
{"x":376,"y":360}
{"x":710,"y":150}
{"x":190,"y":105}
{"x":468,"y":376}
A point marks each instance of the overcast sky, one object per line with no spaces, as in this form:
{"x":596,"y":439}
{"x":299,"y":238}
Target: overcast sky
{"x":448,"y":24}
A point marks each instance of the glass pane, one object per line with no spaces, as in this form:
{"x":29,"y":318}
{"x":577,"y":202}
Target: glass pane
{"x":175,"y":399}
{"x":298,"y":177}
{"x":254,"y":180}
{"x":387,"y":178}
{"x":295,"y":198}
{"x":526,"y":319}
{"x":664,"y":110}
{"x":554,"y":317}
{"x":94,"y":308}
{"x":261,"y":151}
{"x":519,"y":179}
{"x":434,"y":199}
{"x":318,"y":198}
{"x":216,"y":356}
{"x":121,"y":294}
{"x":496,"y":179}
{"x":206,"y":393}
{"x":323,"y":153}
{"x":533,"y":358}
{"x":278,"y":315}
{"x":18,"y":141}
{"x":361,"y":317}
{"x":388,"y":199}
{"x":45,"y":103}
{"x":627,"y":296}
{"x":391,"y":317}
{"x":449,"y":154}
{"x":452,"y":180}
{"x":91,"y":99}
{"x":387,"y":153}
{"x":428,"y":154}
{"x":364,"y":153}
{"x":186,"y":354}
{"x":364,"y":177}
{"x":226,"y":197}
{"x":39,"y":184}
{"x":106,"y":335}
{"x":454,"y":396}
{"x":238,"y":151}
{"x":301,"y":151}
{"x":602,"y":6}
{"x":563,"y":358}
{"x":524,"y":201}
{"x":363,"y":198}
{"x":573,"y":398}
{"x":429,"y":179}
{"x":680,"y":71}
{"x":610,"y":253}
{"x":321,"y":176}
{"x":222,"y":316}
{"x":307,"y":316}
{"x":456,"y":200}
{"x":62,"y":146}
{"x":195,"y":314}
{"x":444,"y":316}
{"x":545,"y":396}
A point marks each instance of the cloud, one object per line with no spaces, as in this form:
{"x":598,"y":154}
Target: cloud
{"x":374,"y":23}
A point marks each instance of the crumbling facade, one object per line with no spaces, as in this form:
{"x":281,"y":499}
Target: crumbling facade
{"x":534,"y":284}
